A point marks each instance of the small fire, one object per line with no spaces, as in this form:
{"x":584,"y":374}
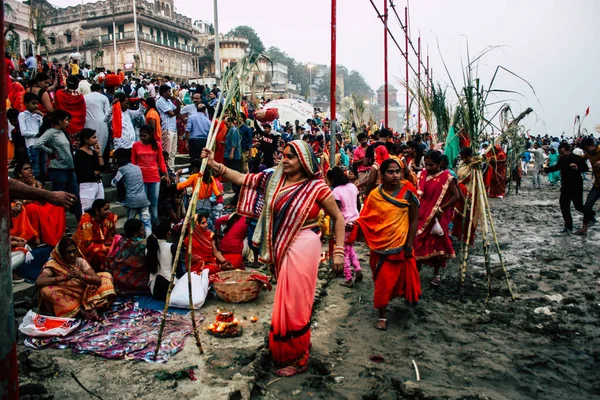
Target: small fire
{"x":225,"y":325}
{"x":253,"y":318}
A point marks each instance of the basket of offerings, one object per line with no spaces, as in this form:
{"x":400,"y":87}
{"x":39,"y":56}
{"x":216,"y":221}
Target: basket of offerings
{"x":239,"y":286}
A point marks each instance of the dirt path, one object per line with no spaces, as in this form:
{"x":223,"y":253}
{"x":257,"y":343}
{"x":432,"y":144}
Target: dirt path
{"x":464,"y":350}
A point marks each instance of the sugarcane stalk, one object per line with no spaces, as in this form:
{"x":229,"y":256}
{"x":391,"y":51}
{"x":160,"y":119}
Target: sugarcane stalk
{"x":486,"y":245}
{"x":463,"y":272}
{"x":465,"y":221}
{"x":189,"y":275}
{"x":493,"y":228}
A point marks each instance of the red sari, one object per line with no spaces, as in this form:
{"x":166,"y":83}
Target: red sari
{"x":95,"y":239}
{"x":75,"y":105}
{"x":384,"y":222}
{"x":202,"y":251}
{"x":495,"y":175}
{"x":433,"y":191}
{"x":285,"y":238}
{"x":48,"y":220}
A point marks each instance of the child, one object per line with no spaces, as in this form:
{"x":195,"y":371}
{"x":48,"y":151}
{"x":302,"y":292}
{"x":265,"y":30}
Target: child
{"x":20,"y":152}
{"x":135,"y":197}
{"x":30,"y":121}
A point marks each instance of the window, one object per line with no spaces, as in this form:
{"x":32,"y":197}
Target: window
{"x":140,"y":28}
{"x":121,"y":28}
{"x":52,"y":40}
{"x":151,"y":31}
{"x":110,"y":29}
{"x":69,"y":37}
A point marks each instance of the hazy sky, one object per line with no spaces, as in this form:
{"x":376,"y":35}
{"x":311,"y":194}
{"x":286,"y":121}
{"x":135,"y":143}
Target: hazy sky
{"x":550,"y":43}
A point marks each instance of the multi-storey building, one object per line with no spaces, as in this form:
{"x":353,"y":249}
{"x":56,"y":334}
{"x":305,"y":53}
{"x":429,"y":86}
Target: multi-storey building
{"x":17,"y":20}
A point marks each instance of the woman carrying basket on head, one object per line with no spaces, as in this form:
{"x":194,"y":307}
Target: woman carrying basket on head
{"x":287,"y":203}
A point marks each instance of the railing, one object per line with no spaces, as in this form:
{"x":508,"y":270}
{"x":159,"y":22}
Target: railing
{"x":149,"y":38}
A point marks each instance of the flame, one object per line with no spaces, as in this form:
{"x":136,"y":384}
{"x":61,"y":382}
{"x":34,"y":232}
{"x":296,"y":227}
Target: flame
{"x":254,"y":318}
{"x":235,"y":321}
{"x":211,"y":326}
{"x":220,"y":328}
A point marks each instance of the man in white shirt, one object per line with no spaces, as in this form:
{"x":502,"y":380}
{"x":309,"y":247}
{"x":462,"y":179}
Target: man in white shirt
{"x":127,"y":138}
{"x":192,"y":109}
{"x":97,"y":108}
{"x":30,"y":121}
{"x":538,"y":163}
{"x":168,"y":119}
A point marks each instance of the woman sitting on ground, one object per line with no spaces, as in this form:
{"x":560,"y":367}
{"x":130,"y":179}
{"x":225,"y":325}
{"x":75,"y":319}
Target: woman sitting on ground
{"x":233,"y":230}
{"x":96,"y":232}
{"x":125,"y":260}
{"x":205,"y":253}
{"x":159,"y":258}
{"x":70,"y":287}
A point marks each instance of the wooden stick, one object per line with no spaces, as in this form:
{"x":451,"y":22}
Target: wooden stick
{"x":463,"y":272}
{"x":489,"y":211}
{"x":189,"y":275}
{"x":486,"y":246}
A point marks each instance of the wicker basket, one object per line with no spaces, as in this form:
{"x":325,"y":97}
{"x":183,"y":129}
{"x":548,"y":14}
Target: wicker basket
{"x":237,"y":288}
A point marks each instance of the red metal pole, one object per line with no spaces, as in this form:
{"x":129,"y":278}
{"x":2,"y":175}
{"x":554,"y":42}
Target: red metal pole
{"x":9,"y":373}
{"x":385,"y":61}
{"x":333,"y":60}
{"x":406,"y":56}
{"x":419,"y":85}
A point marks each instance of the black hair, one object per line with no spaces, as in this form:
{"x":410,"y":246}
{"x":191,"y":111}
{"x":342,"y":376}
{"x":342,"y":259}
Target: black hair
{"x":160,"y":230}
{"x":434,"y":156}
{"x":132,"y":227}
{"x":564,"y":145}
{"x":123,"y":156}
{"x":386,"y":165}
{"x":96,"y":205}
{"x":95,"y":87}
{"x":59,"y":115}
{"x":72,"y":82}
{"x":445,"y":160}
{"x":385,"y":133}
{"x":150,"y":103}
{"x":121,"y":96}
{"x":391,"y":148}
{"x":587,"y":141}
{"x":41,"y":78}
{"x":163,"y":89}
{"x":418,"y":151}
{"x":362,"y":136}
{"x":202,"y":214}
{"x":150,"y":131}
{"x":29,"y":97}
{"x":85,"y":134}
{"x":18,"y":169}
{"x":466,"y":152}
{"x":12,"y":113}
{"x":336,"y":177}
{"x":65,"y":242}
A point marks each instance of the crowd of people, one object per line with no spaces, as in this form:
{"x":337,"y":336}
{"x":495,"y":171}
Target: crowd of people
{"x":398,"y":192}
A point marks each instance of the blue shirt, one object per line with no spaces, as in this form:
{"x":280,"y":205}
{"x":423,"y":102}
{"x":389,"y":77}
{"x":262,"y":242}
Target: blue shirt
{"x":198,"y":126}
{"x":166,"y":122}
{"x":233,"y":140}
{"x":246,"y":133}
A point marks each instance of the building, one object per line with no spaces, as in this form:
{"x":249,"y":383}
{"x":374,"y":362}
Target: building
{"x":396,"y":117}
{"x":168,"y":42}
{"x":20,"y":26}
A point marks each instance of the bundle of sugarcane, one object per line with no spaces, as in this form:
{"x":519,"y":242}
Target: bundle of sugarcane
{"x":232,"y":79}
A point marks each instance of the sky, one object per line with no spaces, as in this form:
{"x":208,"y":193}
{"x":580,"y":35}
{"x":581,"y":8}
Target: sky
{"x":552,"y":44}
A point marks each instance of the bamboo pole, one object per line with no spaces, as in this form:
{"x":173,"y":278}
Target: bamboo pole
{"x":493,"y":228}
{"x":189,"y":275}
{"x":463,"y":271}
{"x":486,"y":245}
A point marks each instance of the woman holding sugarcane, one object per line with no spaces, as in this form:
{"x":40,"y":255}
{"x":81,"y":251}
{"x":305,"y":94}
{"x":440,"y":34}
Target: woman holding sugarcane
{"x":287,"y":202}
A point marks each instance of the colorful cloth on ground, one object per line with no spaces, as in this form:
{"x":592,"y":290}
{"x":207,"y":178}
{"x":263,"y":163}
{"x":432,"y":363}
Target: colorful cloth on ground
{"x":125,"y":262}
{"x":48,"y":220}
{"x":94,"y":239}
{"x":126,"y":332}
{"x":74,"y":104}
{"x":70,"y":297}
{"x":384,"y":221}
{"x":495,"y":175}
{"x":284,"y":209}
{"x":433,"y":192}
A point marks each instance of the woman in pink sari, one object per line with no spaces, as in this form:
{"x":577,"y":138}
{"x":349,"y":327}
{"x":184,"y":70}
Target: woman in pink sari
{"x":438,"y":193}
{"x":287,"y":203}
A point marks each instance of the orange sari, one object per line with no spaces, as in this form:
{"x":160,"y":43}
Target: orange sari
{"x":94,"y":239}
{"x":21,"y":226}
{"x":70,"y":297}
{"x":384,"y":221}
{"x":220,"y":142}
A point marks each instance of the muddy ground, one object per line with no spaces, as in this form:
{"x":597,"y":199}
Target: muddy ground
{"x":543,"y":345}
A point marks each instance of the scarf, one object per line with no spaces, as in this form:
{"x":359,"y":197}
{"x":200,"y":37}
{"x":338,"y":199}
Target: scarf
{"x":117,"y":120}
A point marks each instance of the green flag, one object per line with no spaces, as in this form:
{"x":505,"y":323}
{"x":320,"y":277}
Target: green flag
{"x":452,"y":147}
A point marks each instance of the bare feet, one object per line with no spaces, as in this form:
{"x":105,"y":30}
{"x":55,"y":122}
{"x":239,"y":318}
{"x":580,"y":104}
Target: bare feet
{"x":437,"y":279}
{"x":381,"y":324}
{"x":291,"y":370}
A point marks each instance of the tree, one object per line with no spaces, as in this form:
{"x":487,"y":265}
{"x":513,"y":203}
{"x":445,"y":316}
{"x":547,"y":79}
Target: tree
{"x":354,"y":83}
{"x":249,"y":33}
{"x":324,"y":89}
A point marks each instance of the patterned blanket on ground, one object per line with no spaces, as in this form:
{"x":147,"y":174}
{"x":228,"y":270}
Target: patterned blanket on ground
{"x":126,"y":332}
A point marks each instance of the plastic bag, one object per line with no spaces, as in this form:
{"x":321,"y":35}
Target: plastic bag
{"x":179,"y":295}
{"x":437,"y":228}
{"x":37,"y":325}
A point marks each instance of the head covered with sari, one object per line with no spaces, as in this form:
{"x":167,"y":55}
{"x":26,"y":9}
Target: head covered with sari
{"x":284,"y":210}
{"x":381,"y":154}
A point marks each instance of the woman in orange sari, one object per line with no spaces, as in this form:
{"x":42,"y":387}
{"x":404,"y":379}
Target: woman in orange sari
{"x":48,"y":220}
{"x":95,"y":233}
{"x":495,"y":175}
{"x":286,"y":202}
{"x":438,"y":194}
{"x":205,"y":254}
{"x":389,"y":221}
{"x":70,"y":287}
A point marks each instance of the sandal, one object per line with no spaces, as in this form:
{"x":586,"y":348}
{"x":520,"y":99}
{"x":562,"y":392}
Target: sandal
{"x":437,"y":279}
{"x":381,"y":324}
{"x":359,"y":276}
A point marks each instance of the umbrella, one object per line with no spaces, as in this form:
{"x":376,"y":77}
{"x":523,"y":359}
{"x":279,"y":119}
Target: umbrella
{"x":291,"y":110}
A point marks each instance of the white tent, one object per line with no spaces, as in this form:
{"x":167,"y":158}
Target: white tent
{"x":291,"y":110}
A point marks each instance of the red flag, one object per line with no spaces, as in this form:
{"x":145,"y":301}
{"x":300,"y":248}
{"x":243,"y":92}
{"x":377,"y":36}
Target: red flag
{"x":587,"y":112}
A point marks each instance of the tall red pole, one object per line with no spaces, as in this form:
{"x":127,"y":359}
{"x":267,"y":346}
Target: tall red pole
{"x":385,"y":61}
{"x":406,"y":56}
{"x":333,"y":58}
{"x":419,"y":85}
{"x":9,"y":373}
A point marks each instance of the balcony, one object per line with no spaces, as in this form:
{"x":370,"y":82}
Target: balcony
{"x":148,"y":38}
